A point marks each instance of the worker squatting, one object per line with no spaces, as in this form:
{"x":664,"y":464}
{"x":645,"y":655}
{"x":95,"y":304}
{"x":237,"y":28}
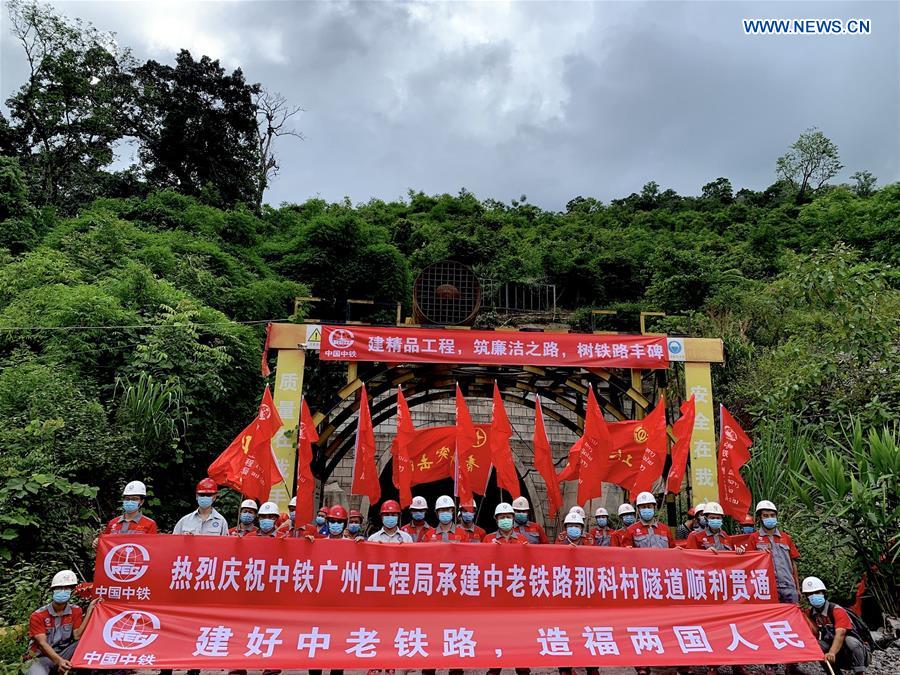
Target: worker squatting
{"x":55,"y":628}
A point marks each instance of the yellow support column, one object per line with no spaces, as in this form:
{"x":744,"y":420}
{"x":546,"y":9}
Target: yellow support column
{"x":288,"y":391}
{"x":704,"y":477}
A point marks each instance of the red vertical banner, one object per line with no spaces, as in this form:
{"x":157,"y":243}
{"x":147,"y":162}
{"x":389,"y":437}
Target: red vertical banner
{"x":683,"y":430}
{"x":365,"y":467}
{"x":543,"y":459}
{"x":466,"y":438}
{"x":734,"y":452}
{"x":595,"y":452}
{"x":501,"y":454}
{"x":402,"y":467}
{"x":306,"y":482}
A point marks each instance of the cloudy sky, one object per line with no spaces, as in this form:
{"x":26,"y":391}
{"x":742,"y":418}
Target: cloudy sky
{"x":547,"y":99}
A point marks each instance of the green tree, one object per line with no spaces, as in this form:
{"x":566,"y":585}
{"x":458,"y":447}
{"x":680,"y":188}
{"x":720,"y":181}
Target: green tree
{"x":864,"y":183}
{"x":811,"y":162}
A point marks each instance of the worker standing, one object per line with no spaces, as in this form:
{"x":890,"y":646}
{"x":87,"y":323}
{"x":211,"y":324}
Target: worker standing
{"x":684,"y":530}
{"x":533,"y":533}
{"x":712,"y":537}
{"x":647,"y":532}
{"x":842,"y":645}
{"x":748,"y":524}
{"x":132,"y":520}
{"x":246,"y":519}
{"x":475,"y":533}
{"x":626,"y":514}
{"x":446,"y":530}
{"x":418,"y":528}
{"x":602,"y":534}
{"x":268,"y":519}
{"x":354,"y":526}
{"x":205,"y":520}
{"x":574,"y":534}
{"x":390,"y":532}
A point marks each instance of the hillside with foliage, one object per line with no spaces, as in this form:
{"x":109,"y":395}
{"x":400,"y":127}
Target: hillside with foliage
{"x":132,"y":303}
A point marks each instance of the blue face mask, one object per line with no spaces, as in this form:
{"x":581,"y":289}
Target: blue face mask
{"x":573,"y":532}
{"x":628,"y":519}
{"x":418,"y":515}
{"x":701,"y":521}
{"x":602,"y":522}
{"x":61,"y":596}
{"x":647,"y":514}
{"x":468,"y":517}
{"x":445,"y":517}
{"x":522,"y":518}
{"x":267,"y":524}
{"x":353,"y":528}
{"x":320,"y":520}
{"x":748,"y":529}
{"x":247,"y":518}
{"x":817,"y":600}
{"x":770,"y":523}
{"x":130,"y":505}
{"x":389,"y":522}
{"x":292,"y":515}
{"x":505,"y":524}
{"x":204,"y":501}
{"x":335,"y":529}
{"x":715,"y":523}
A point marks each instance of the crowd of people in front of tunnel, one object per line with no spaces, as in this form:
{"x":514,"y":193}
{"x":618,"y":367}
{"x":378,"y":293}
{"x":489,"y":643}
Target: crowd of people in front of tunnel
{"x":55,"y":628}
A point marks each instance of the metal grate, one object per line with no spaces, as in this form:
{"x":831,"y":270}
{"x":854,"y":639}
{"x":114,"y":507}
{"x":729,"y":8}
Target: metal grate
{"x":446,"y":293}
{"x":519,"y":297}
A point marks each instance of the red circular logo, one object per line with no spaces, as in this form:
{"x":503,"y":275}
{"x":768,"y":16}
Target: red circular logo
{"x":340,"y":338}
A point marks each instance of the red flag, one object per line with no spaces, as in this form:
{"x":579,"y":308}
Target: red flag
{"x":247,"y":464}
{"x":306,"y":482}
{"x":432,"y":450}
{"x":543,"y":460}
{"x":734,"y":452}
{"x":596,"y":449}
{"x":365,"y":468}
{"x":402,"y":467}
{"x":466,"y":438}
{"x":683,"y":429}
{"x":264,"y":365}
{"x":650,"y":433}
{"x":570,"y":470}
{"x":501,"y":455}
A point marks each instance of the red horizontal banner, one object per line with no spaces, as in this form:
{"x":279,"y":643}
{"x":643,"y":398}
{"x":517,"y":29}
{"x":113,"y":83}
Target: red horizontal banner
{"x":426,"y":345}
{"x":251,"y":602}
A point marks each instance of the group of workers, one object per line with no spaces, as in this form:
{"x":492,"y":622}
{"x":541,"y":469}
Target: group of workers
{"x":55,"y":628}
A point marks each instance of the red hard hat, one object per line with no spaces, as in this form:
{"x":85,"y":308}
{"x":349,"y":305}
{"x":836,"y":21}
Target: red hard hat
{"x":748,"y":520}
{"x":323,"y":510}
{"x":390,"y":506}
{"x":207,"y":486}
{"x":337,"y":512}
{"x":691,"y":512}
{"x":355,"y":514}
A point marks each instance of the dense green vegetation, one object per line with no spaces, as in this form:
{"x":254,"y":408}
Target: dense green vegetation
{"x":132,"y":307}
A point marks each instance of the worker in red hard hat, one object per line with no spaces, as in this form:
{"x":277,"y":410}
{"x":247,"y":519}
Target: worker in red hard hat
{"x":748,"y":524}
{"x":354,"y":526}
{"x":336,"y":522}
{"x":475,"y":533}
{"x":205,"y":520}
{"x":418,"y":527}
{"x":390,"y":532}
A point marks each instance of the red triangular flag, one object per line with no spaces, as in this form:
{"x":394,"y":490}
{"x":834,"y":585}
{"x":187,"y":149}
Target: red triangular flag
{"x":501,"y":454}
{"x":365,"y":468}
{"x":683,"y":429}
{"x":543,"y":460}
{"x":570,"y":470}
{"x":595,"y":451}
{"x":264,"y":365}
{"x":734,"y":452}
{"x":402,"y":468}
{"x":651,"y":433}
{"x":466,"y":438}
{"x":306,"y":482}
{"x":247,"y":464}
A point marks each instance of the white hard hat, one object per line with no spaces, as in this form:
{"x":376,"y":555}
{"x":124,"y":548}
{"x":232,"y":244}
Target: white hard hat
{"x":645,"y":498}
{"x":713,"y":508}
{"x":578,"y":510}
{"x":64,"y":578}
{"x":503,"y":507}
{"x":269,"y":509}
{"x":573,"y":517}
{"x":766,"y":505}
{"x":700,"y":508}
{"x":625,"y":508}
{"x":135,"y":488}
{"x":812,"y":584}
{"x":249,"y":504}
{"x":418,"y":503}
{"x":520,"y":504}
{"x":444,"y":502}
{"x":601,"y":512}
{"x":293,"y":502}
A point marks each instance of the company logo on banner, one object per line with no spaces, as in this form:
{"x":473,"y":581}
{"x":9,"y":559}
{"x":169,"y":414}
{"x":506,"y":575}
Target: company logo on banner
{"x":340,"y":338}
{"x":131,"y":630}
{"x":126,"y":562}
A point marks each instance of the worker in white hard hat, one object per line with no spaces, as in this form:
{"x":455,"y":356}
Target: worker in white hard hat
{"x":418,"y":528}
{"x":533,"y":533}
{"x":447,"y":530}
{"x":55,"y":628}
{"x":647,"y":532}
{"x":132,"y":520}
{"x":246,"y":519}
{"x":627,"y":516}
{"x":475,"y":533}
{"x":769,"y":537}
{"x":268,"y":519}
{"x":506,"y":533}
{"x":580,"y":511}
{"x":712,"y":537}
{"x":573,"y":533}
{"x":842,"y":645}
{"x":602,"y":534}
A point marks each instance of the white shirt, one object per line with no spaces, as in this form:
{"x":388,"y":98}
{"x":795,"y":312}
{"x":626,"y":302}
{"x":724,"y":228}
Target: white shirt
{"x":193,"y":523}
{"x":398,"y":537}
